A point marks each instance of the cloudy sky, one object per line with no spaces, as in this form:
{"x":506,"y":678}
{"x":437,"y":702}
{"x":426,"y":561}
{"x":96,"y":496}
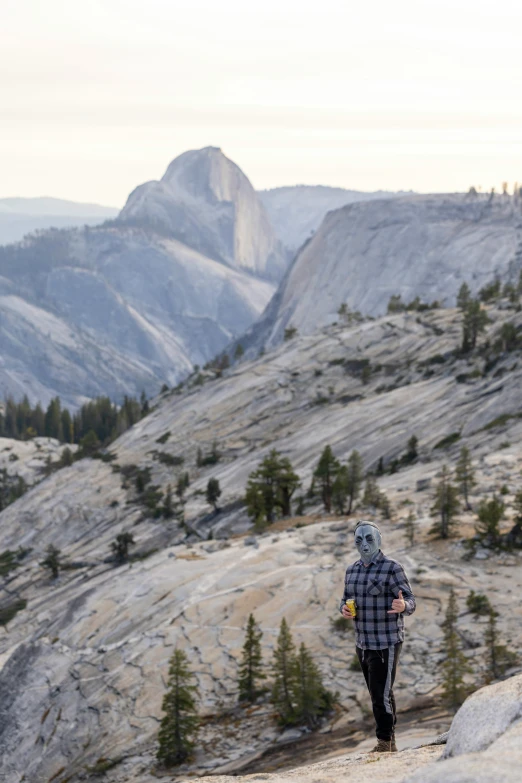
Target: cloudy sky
{"x":98,"y":97}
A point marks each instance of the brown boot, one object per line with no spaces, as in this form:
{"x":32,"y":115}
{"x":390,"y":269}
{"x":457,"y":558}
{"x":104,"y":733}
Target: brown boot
{"x":383,"y":746}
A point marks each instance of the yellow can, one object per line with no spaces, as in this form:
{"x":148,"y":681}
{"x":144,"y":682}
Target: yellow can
{"x":352,"y":606}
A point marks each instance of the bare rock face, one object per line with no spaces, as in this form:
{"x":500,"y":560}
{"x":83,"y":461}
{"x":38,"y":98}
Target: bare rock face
{"x":297,"y":211}
{"x":206,"y":201}
{"x":364,"y":253}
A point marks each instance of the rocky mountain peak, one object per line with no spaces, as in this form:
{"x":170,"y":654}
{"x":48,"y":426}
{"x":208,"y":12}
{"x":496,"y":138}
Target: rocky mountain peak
{"x":207,"y":202}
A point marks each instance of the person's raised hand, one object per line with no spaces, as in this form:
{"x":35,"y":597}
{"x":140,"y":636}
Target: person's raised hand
{"x":345,"y":613}
{"x":398,"y":605}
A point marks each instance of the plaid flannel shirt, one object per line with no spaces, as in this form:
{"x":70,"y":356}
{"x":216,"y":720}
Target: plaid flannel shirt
{"x":374,"y":587}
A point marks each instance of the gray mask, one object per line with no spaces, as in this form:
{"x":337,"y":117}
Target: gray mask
{"x":367,"y":541}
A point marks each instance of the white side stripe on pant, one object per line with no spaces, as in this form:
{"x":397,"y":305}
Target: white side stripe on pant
{"x":387,"y":686}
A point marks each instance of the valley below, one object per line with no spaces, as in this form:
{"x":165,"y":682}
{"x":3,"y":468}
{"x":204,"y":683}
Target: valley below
{"x":84,"y":663}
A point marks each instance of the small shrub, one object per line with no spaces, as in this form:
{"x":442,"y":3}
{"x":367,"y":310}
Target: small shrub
{"x":447,"y":441}
{"x":320,"y":400}
{"x":103,"y":765}
{"x":212,"y":458}
{"x":500,"y":421}
{"x":478,"y":604}
{"x":355,"y":666}
{"x":10,"y":560}
{"x":11,"y":610}
{"x":141,"y":479}
{"x":120,"y":547}
{"x":163,"y":438}
{"x":340,"y":625}
{"x":105,"y":456}
{"x":169,"y":459}
{"x":152,"y":498}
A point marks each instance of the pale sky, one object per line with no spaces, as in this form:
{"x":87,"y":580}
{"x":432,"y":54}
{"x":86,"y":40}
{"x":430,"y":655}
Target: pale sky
{"x":97,"y":97}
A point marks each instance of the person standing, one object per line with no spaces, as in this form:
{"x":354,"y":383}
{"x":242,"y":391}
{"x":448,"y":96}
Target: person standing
{"x":383,"y":596}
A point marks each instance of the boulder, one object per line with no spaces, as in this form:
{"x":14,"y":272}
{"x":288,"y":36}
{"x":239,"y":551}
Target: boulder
{"x":485,"y":715}
{"x":485,"y":740}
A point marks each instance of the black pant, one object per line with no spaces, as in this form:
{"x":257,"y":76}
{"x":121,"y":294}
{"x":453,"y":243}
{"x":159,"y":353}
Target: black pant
{"x":379,"y":669}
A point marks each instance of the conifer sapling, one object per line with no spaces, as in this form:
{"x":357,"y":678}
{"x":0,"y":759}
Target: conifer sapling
{"x":251,"y":668}
{"x":180,"y":722}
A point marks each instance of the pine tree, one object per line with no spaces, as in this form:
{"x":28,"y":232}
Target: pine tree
{"x":256,"y":508}
{"x":120,"y":546}
{"x":475,"y":322}
{"x":215,"y":454}
{"x":144,"y":403}
{"x":463,"y":296}
{"x":514,"y":537}
{"x":250,"y":668}
{"x":213,"y":493}
{"x":53,"y":560}
{"x":270,"y":489}
{"x":340,"y":489}
{"x":489,"y":513}
{"x":478,"y":604}
{"x":498,"y":657}
{"x":446,"y":505}
{"x":53,"y":421}
{"x":411,"y":451}
{"x":89,"y":444}
{"x":371,"y":494}
{"x":66,"y":457}
{"x":168,"y":506}
{"x":238,"y":353}
{"x":325,"y":473}
{"x":395,"y":304}
{"x":465,"y":475}
{"x":180,"y":487}
{"x":310,"y":697}
{"x":455,"y":664}
{"x":354,"y":477}
{"x":67,"y":426}
{"x":38,"y":419}
{"x":285,"y":674}
{"x":409,"y":529}
{"x":180,"y":722}
{"x":385,"y":506}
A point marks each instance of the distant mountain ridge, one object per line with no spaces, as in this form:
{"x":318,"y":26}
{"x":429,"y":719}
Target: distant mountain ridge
{"x":22,"y":216}
{"x":48,"y":205}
